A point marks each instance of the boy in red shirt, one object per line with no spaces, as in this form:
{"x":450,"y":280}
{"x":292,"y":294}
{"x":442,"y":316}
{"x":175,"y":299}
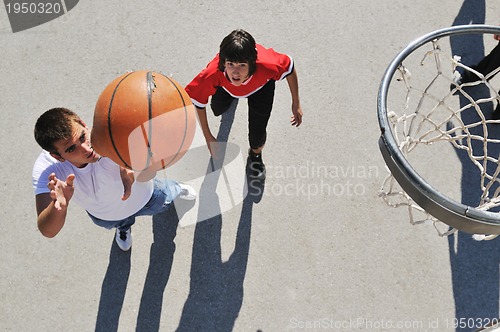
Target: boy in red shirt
{"x":244,"y":69}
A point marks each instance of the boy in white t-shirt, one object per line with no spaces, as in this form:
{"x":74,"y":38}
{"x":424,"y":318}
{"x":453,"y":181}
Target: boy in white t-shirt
{"x":70,"y":170}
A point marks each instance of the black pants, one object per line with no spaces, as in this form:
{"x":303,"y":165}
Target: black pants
{"x":260,"y":105}
{"x":488,"y":64}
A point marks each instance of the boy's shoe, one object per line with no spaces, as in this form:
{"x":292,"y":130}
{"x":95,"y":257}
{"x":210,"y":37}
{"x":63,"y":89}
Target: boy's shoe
{"x":255,"y":166}
{"x":496,"y":112}
{"x":466,"y":77}
{"x":255,"y":190}
{"x":124,"y":239}
{"x":187,"y":192}
{"x":469,"y":77}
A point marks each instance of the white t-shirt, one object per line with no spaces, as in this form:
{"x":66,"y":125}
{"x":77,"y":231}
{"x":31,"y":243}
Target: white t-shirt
{"x":98,"y":186}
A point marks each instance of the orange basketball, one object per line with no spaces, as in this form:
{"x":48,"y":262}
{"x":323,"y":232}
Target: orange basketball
{"x":143,"y":121}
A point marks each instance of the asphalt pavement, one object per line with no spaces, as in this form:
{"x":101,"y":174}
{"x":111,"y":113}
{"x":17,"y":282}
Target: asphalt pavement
{"x":313,"y":249}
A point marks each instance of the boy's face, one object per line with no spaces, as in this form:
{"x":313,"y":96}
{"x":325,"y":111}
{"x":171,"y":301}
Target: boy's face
{"x":76,"y":149}
{"x":236,"y":72}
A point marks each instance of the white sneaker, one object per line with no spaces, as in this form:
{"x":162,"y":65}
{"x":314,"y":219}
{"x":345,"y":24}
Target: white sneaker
{"x":124,"y":239}
{"x":187,"y":192}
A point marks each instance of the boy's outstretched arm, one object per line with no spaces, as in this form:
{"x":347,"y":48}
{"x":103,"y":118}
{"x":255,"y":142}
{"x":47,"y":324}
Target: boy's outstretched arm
{"x":293,"y":84}
{"x":52,"y":207}
{"x":209,"y":138}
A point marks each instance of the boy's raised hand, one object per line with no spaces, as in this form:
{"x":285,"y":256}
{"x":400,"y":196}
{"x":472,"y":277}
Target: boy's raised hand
{"x":61,"y":191}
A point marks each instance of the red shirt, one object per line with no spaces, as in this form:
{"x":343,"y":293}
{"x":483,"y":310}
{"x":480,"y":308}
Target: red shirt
{"x":270,"y":65}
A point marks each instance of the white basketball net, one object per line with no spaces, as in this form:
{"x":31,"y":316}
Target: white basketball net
{"x":434,"y":111}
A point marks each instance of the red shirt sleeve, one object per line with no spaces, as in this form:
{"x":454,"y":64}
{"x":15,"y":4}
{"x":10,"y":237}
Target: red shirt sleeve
{"x":204,"y":84}
{"x":278,"y":65}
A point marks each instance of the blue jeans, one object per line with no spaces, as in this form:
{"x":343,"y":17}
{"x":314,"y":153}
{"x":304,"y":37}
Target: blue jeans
{"x":164,"y":192}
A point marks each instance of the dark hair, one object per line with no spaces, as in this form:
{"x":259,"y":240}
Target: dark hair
{"x":54,"y":125}
{"x":238,"y":46}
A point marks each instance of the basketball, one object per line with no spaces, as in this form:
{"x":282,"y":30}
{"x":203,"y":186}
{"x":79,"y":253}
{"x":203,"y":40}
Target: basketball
{"x":143,"y":121}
